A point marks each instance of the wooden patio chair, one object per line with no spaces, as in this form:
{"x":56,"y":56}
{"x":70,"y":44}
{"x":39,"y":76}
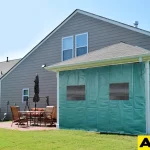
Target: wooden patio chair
{"x":48,"y":115}
{"x":54,"y":114}
{"x":17,"y":117}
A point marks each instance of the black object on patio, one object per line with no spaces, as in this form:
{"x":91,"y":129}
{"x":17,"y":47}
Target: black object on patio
{"x":36,"y":97}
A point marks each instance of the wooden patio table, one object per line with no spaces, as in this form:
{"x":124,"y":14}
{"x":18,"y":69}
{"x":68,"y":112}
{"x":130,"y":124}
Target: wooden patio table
{"x":33,"y":114}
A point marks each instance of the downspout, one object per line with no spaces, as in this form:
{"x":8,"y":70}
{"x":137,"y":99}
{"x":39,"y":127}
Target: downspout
{"x":57,"y":125}
{"x":147,"y":97}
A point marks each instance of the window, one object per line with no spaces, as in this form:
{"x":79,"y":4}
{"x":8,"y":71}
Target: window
{"x":76,"y":92}
{"x":25,"y":94}
{"x":81,"y":44}
{"x":119,"y":91}
{"x":67,"y":48}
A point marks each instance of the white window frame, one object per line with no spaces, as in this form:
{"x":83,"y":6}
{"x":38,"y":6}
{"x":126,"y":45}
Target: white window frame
{"x":81,"y":46}
{"x":23,"y":94}
{"x":67,"y":49}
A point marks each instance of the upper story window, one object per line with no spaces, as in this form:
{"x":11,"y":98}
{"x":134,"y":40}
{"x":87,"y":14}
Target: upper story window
{"x":81,"y":44}
{"x":67,"y":48}
{"x":25,"y":94}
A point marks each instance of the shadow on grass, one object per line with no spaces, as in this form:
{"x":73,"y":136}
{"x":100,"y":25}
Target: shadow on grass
{"x":123,"y":134}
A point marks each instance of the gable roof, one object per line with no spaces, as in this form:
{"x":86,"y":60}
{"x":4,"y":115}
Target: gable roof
{"x":6,"y":66}
{"x":66,"y":20}
{"x":119,"y":53}
{"x":114,"y":22}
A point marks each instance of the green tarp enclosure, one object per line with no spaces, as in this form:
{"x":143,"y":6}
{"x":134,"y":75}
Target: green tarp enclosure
{"x":97,"y":112}
{"x":100,"y":110}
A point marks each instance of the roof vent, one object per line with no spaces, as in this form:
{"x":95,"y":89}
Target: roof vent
{"x":7,"y":59}
{"x":136,"y":23}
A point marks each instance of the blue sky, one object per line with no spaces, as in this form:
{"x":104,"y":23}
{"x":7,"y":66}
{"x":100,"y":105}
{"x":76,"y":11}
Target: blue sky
{"x":23,"y":23}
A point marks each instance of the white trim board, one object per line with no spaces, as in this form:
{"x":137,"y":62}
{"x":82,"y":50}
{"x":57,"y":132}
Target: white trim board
{"x":147,"y":97}
{"x":66,"y":20}
{"x":57,"y":124}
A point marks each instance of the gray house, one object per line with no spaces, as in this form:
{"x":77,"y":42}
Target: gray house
{"x":78,"y":34}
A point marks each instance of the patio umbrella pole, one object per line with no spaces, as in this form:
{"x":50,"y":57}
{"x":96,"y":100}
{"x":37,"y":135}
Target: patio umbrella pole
{"x":35,"y":112}
{"x":36,"y":94}
{"x":35,"y":106}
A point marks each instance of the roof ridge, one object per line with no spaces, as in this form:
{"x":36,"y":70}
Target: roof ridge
{"x":10,"y":60}
{"x":112,"y":20}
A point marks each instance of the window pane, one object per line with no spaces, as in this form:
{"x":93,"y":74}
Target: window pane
{"x":119,"y":91}
{"x":67,"y":43}
{"x":67,"y":54}
{"x":81,"y":40}
{"x":25,"y":98}
{"x":81,"y":51}
{"x":25,"y":92}
{"x":76,"y":92}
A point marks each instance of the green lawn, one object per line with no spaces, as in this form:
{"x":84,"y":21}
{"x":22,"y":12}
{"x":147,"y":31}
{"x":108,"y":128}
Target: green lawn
{"x":64,"y":140}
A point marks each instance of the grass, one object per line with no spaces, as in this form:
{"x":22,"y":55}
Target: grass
{"x":64,"y":140}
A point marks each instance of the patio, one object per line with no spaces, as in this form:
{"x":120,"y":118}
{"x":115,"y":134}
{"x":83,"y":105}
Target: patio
{"x":7,"y":125}
{"x":31,"y":120}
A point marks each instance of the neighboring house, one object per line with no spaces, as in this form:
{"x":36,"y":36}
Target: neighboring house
{"x":106,"y":90}
{"x":5,"y":66}
{"x":78,"y":34}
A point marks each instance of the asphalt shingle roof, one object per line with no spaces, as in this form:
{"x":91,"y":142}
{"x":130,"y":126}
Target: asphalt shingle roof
{"x":119,"y":50}
{"x":6,"y":66}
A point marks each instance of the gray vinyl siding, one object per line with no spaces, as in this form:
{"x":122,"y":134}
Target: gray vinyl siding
{"x":100,"y":34}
